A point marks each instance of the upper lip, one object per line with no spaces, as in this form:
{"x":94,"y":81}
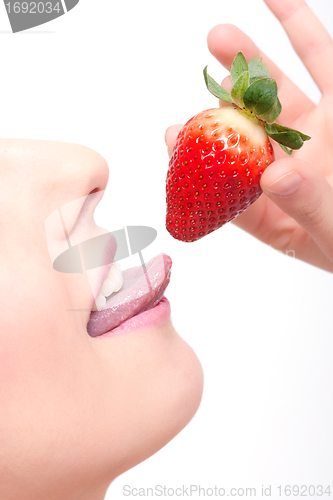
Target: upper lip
{"x":108,"y":251}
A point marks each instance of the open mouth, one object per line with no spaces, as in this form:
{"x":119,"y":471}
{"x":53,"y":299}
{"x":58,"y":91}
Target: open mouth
{"x":131,"y":292}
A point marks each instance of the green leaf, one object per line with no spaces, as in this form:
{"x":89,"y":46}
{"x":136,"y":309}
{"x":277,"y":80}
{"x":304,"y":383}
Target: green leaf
{"x":286,"y":136}
{"x":273,"y":113}
{"x":216,"y":89}
{"x":239,"y":66}
{"x":289,"y":139}
{"x":257,"y":70}
{"x":261,"y":96}
{"x":239,"y":88}
{"x":281,"y":128}
{"x":286,"y":150}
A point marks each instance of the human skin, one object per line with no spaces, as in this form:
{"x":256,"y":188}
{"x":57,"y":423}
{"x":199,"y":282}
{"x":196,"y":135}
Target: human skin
{"x":295,"y":212}
{"x":75,"y":411}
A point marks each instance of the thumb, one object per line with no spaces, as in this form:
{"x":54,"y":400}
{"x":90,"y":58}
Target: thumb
{"x":171,"y":137}
{"x":302,"y":192}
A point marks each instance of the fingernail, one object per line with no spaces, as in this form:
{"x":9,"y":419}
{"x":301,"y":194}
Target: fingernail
{"x":286,"y":185}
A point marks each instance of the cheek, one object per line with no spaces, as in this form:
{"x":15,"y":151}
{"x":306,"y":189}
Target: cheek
{"x":46,"y":395}
{"x":152,"y":388}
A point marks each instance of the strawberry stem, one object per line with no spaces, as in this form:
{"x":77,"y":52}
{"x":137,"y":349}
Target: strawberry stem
{"x":255,"y":91}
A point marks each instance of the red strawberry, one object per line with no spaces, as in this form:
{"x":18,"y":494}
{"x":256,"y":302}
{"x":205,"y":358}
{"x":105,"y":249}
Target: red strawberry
{"x":220,"y":154}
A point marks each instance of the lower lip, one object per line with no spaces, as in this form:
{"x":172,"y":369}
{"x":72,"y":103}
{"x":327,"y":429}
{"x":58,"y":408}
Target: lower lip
{"x":147,"y":319}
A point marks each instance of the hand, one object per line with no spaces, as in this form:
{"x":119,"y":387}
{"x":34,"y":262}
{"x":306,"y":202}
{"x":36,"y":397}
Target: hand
{"x":295,"y":214}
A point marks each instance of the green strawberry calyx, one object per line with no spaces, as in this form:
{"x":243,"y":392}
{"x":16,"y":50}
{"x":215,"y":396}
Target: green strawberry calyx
{"x":256,"y":92}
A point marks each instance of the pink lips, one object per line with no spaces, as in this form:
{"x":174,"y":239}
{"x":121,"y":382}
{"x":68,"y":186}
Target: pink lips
{"x":143,"y":289}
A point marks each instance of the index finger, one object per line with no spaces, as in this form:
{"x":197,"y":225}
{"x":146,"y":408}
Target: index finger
{"x":309,"y":38}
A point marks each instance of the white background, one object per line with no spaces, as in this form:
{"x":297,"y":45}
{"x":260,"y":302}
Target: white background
{"x":113,"y":75}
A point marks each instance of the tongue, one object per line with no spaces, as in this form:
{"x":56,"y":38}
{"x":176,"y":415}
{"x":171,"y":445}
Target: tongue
{"x":142,"y":290}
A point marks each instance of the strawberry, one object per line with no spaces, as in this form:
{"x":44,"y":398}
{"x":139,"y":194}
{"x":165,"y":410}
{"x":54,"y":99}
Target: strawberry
{"x":220,"y":154}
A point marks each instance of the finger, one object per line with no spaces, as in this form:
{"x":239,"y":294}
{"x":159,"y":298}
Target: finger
{"x":309,"y":38}
{"x":267,"y":222}
{"x":171,"y":135}
{"x":225,"y":40}
{"x":303,"y":193}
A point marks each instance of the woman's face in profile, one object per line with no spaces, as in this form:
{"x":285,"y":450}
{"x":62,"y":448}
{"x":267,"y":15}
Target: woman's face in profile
{"x":76,"y":410}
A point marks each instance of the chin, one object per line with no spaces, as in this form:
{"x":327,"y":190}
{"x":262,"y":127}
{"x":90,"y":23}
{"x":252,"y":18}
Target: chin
{"x":166,"y":402}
